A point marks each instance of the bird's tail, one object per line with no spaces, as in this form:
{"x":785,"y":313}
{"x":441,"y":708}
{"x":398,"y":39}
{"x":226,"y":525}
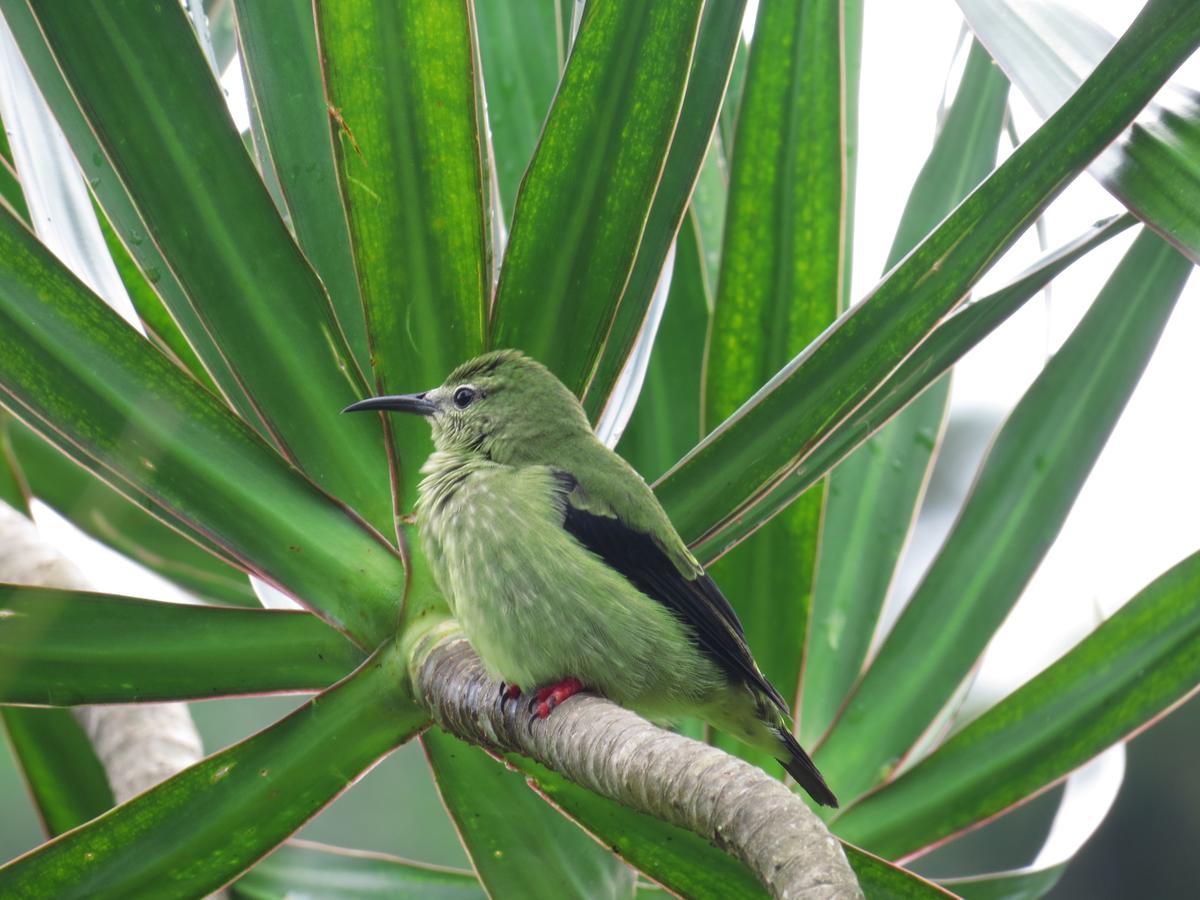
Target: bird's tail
{"x":762,"y":724}
{"x":801,"y":767}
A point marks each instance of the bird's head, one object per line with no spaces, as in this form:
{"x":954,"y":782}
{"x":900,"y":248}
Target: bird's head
{"x":502,"y":405}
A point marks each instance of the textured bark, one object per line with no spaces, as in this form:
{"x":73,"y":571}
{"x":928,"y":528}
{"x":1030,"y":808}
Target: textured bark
{"x":620,"y":755}
{"x":138,"y":745}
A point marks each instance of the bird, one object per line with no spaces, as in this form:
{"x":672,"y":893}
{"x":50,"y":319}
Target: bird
{"x":565,"y":573}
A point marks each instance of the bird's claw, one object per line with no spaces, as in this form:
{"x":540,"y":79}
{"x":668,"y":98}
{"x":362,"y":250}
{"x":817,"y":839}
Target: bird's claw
{"x":507,"y":692}
{"x":544,"y":700}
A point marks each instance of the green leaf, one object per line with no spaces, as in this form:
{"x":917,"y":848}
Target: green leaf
{"x":101,"y":512}
{"x":1138,"y":665}
{"x":117,"y":205}
{"x":65,"y":779}
{"x":279,"y":56}
{"x":66,"y":648}
{"x":948,"y":343}
{"x":221,"y":30}
{"x":716,"y":41}
{"x":5,"y":150}
{"x":148,"y":94}
{"x":10,"y":187}
{"x":589,"y":188}
{"x":74,"y":371}
{"x":12,"y":488}
{"x":408,"y":154}
{"x":155,"y":317}
{"x":306,"y":869}
{"x":751,"y":455}
{"x":519,"y":846}
{"x":66,"y":782}
{"x":1154,"y":169}
{"x":888,"y":881}
{"x":1021,"y":884}
{"x":872,"y":496}
{"x":666,"y":420}
{"x":1022,"y":494}
{"x":709,"y":205}
{"x":200,"y":828}
{"x":733,"y":97}
{"x":517,"y":43}
{"x":678,"y":859}
{"x":786,"y":236}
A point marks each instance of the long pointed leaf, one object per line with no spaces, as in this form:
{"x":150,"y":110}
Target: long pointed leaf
{"x":60,"y":208}
{"x":65,"y":779}
{"x":279,"y":55}
{"x":10,"y":185}
{"x":666,"y":420}
{"x":103,"y":513}
{"x":782,"y":265}
{"x":872,"y":495}
{"x":401,"y":79}
{"x":880,"y":878}
{"x":74,"y":371}
{"x":305,"y":869}
{"x":202,"y":827}
{"x":713,"y":493}
{"x":1135,"y":667}
{"x":544,"y":856}
{"x":156,"y":318}
{"x":1154,"y":169}
{"x":517,"y":41}
{"x":12,"y":490}
{"x":147,"y":92}
{"x":716,"y":41}
{"x":222,"y":35}
{"x":1023,"y":492}
{"x":585,"y":198}
{"x":733,"y":97}
{"x":1016,"y":885}
{"x":674,"y":857}
{"x":65,"y":648}
{"x":949,"y":342}
{"x":116,"y":202}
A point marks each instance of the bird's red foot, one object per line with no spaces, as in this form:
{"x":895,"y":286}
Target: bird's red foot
{"x":554,"y":694}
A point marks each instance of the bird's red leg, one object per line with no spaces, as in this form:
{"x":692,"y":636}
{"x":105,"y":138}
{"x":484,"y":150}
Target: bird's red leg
{"x":554,"y":694}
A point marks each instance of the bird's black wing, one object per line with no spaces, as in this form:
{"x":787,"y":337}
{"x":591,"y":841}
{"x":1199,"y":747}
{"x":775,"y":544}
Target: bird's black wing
{"x":697,"y":601}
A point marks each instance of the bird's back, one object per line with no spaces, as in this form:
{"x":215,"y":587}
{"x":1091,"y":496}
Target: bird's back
{"x":609,"y":486}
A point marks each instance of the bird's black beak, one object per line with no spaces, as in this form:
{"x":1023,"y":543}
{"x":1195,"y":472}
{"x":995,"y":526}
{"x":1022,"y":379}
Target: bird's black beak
{"x":412,"y":403}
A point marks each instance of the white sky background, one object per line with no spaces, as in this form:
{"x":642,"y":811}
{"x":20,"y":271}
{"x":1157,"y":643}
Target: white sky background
{"x":1139,"y":512}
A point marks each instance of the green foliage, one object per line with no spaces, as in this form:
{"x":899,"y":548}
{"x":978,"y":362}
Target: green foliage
{"x":360,"y":246}
{"x":874,"y":493}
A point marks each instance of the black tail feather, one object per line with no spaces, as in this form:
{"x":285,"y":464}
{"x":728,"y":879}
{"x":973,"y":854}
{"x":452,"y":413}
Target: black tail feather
{"x":801,"y":767}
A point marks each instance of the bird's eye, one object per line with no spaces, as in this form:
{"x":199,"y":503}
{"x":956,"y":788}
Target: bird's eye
{"x":463,"y":397}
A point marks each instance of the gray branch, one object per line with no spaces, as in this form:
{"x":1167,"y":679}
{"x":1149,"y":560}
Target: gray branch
{"x":620,"y":755}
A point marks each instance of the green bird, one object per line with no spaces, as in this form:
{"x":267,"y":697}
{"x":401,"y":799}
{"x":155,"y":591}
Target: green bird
{"x":563,"y":569}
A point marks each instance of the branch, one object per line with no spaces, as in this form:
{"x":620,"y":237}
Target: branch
{"x":138,"y":745}
{"x":620,"y":755}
